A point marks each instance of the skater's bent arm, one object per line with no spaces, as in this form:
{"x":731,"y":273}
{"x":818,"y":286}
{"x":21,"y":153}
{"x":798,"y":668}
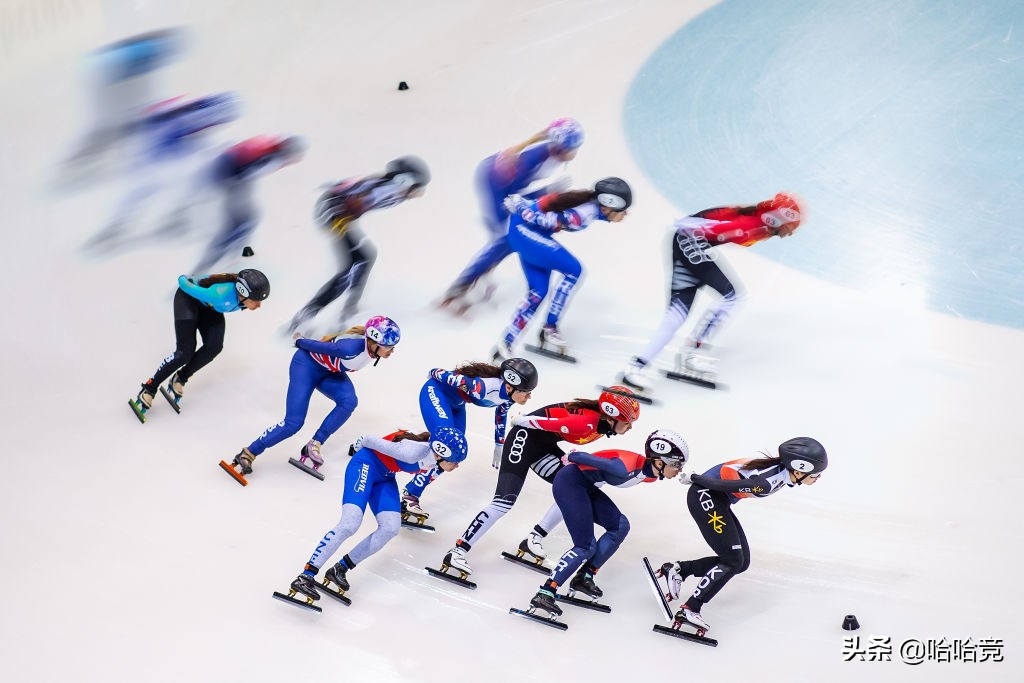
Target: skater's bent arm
{"x":411,"y":452}
{"x":611,"y":464}
{"x":749,"y":485}
{"x":342,"y":349}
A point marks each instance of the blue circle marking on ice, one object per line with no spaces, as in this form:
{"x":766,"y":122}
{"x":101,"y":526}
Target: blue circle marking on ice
{"x":899,"y":124}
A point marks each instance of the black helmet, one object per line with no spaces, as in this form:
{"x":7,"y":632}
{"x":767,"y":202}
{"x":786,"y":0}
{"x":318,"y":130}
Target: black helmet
{"x":408,"y":170}
{"x":613,"y":193}
{"x":668,"y":447}
{"x":520,"y":374}
{"x":252,"y":284}
{"x":803,"y":454}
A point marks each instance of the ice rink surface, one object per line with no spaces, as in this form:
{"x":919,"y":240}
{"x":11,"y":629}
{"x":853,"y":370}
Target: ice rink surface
{"x":129,"y":555}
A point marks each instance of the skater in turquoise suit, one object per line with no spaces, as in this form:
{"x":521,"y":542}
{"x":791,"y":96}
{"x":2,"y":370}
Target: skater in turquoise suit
{"x":199,"y":307}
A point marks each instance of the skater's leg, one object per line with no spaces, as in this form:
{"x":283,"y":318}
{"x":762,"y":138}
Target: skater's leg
{"x":303,"y":376}
{"x":364,"y":255}
{"x":385,"y":505}
{"x":571,"y":269}
{"x":570,"y":490}
{"x":186,"y":325}
{"x":616,"y":526}
{"x":336,"y":286}
{"x":211,"y":329}
{"x":726,"y":538}
{"x":339,"y":388}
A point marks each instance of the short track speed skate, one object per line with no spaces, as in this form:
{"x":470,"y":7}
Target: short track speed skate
{"x":301,"y":593}
{"x":243,"y":461}
{"x":527,"y":560}
{"x":551,"y":345}
{"x":544,"y":602}
{"x":455,"y":560}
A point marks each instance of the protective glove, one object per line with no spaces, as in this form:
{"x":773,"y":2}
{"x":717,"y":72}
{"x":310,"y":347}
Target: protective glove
{"x":686,"y":478}
{"x":496,"y":460}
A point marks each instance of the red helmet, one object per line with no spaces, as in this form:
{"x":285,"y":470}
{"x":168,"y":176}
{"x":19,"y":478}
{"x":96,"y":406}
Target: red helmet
{"x":617,"y":406}
{"x":782,"y":210}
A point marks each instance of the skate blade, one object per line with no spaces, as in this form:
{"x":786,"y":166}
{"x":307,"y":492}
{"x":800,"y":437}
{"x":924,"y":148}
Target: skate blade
{"x":693,"y":378}
{"x":138,"y":409}
{"x":587,"y":603}
{"x":171,"y":399}
{"x":636,"y":395}
{"x":418,"y":526}
{"x":547,"y":621}
{"x":537,"y":566}
{"x":298,"y":603}
{"x":564,"y":357}
{"x":685,"y":635}
{"x":465,"y":583}
{"x":235,"y":474}
{"x":308,"y":470}
{"x":337,"y":595}
{"x":656,"y":587}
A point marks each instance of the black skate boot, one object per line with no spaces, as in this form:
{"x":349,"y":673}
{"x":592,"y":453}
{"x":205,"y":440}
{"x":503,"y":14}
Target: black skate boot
{"x":304,"y":584}
{"x":583,"y":582}
{"x":545,"y":600}
{"x":336,"y":575}
{"x":244,"y":460}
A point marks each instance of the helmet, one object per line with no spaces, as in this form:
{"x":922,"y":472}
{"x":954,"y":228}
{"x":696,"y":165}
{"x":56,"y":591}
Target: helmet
{"x":252,"y":284}
{"x":613,"y":193}
{"x":617,"y":406}
{"x":383,"y":330}
{"x":779,"y":211}
{"x":668,"y":446}
{"x":408,"y":170}
{"x":449,"y":443}
{"x":293,"y":147}
{"x":803,"y":454}
{"x":565,"y":134}
{"x":520,"y":374}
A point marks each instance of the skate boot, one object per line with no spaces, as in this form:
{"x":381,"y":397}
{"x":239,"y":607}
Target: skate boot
{"x":244,"y":460}
{"x":336,"y":575}
{"x":583,"y":582}
{"x":690,"y":360}
{"x":531,"y":548}
{"x":552,"y":340}
{"x":176,"y":386}
{"x":411,"y":507}
{"x":456,"y":559}
{"x":145,"y":397}
{"x":674,"y":573}
{"x":685,"y":615}
{"x":545,"y":600}
{"x":304,"y":584}
{"x":502,"y":352}
{"x":635,"y":377}
{"x":455,"y":298}
{"x":312,"y":451}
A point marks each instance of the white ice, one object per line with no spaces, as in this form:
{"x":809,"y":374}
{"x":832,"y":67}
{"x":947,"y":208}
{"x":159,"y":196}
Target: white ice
{"x":127,"y":554}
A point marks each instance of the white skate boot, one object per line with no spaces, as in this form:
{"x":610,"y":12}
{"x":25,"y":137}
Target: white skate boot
{"x":635,"y":376}
{"x":531,"y":548}
{"x":411,"y":507}
{"x":685,"y":615}
{"x":502,"y":351}
{"x":456,"y":559}
{"x":552,"y":340}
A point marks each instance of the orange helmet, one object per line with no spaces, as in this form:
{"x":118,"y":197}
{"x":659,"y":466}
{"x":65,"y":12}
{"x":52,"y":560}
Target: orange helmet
{"x":615,"y":402}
